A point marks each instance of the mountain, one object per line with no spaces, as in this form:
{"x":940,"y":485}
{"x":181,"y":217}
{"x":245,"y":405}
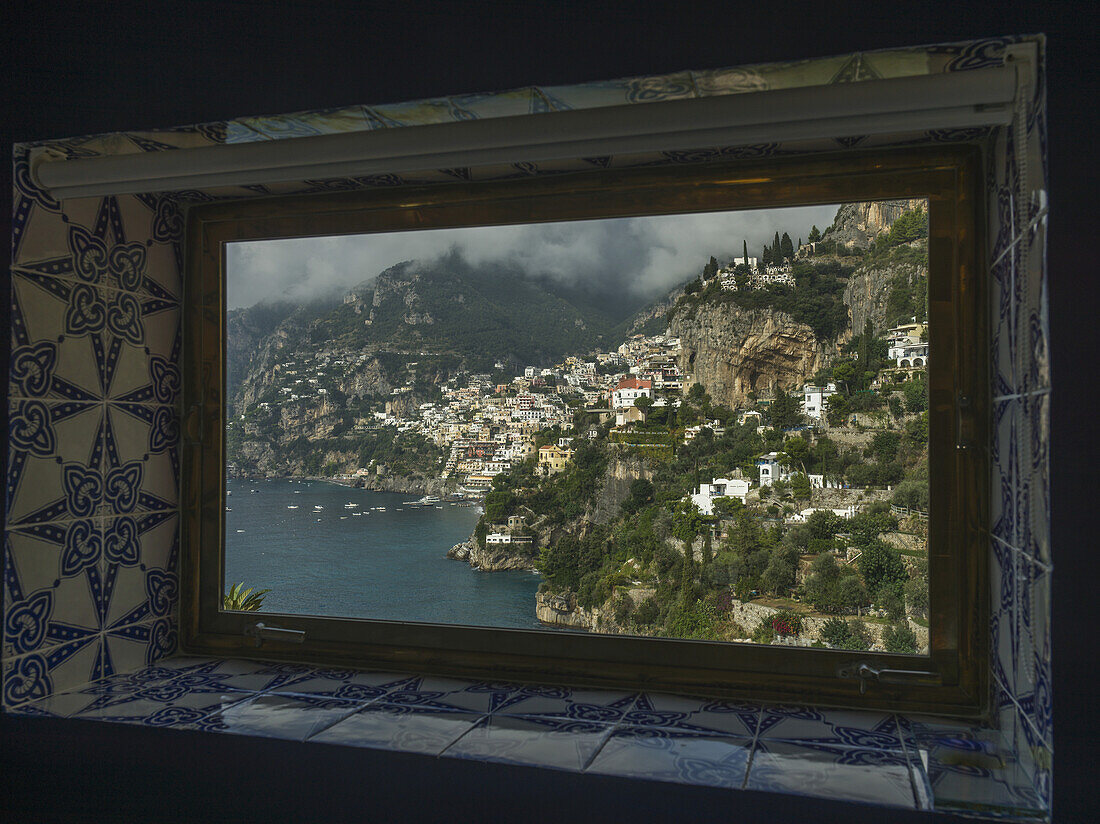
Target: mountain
{"x":480,"y":313}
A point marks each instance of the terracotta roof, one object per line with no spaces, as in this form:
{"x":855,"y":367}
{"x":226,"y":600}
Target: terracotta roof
{"x":633,"y":383}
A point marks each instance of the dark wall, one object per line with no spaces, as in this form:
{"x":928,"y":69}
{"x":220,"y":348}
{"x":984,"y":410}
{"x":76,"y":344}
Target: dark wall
{"x":100,"y":67}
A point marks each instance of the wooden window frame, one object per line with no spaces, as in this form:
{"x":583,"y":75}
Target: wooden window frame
{"x":959,"y":426}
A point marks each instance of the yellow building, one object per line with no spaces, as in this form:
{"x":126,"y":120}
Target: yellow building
{"x":554,"y":458}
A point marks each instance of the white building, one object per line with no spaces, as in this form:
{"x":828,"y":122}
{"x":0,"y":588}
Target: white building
{"x":704,"y":496}
{"x":904,"y":345}
{"x":629,"y":390}
{"x":814,"y":397}
{"x":771,"y":470}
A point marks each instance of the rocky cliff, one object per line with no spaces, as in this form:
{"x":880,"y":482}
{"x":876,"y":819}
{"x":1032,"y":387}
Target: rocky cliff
{"x":622,"y":471}
{"x":861,"y":223}
{"x":492,"y":558}
{"x":734,"y":351}
{"x":868,"y":290}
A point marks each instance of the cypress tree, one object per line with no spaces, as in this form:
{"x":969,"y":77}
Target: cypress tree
{"x":787,"y":247}
{"x":777,"y":250}
{"x":745,"y":252}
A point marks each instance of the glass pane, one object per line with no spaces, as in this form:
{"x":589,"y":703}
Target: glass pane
{"x":703,"y":426}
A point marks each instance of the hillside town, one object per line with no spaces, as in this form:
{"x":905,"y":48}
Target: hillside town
{"x":742,"y":470}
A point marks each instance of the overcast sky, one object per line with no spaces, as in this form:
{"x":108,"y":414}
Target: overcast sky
{"x":644,"y":256}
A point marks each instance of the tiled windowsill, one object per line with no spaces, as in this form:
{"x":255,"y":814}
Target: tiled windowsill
{"x":868,"y":757}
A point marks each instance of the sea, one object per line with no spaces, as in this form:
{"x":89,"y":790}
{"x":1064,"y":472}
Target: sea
{"x":386,"y":563}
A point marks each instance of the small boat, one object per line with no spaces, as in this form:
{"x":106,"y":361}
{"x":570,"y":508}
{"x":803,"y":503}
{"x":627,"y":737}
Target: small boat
{"x":438,"y":507}
{"x":317,"y":507}
{"x":240,"y":530}
{"x":292,"y":506}
{"x":381,"y":508}
{"x":343,"y":517}
{"x":227,"y":509}
{"x":297,"y":492}
{"x":350,"y":505}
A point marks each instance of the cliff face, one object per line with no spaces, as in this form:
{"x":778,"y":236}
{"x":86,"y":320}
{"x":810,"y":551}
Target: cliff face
{"x":869,"y":287}
{"x":734,"y":351}
{"x":492,"y":558}
{"x":622,"y":471}
{"x":860,"y":223}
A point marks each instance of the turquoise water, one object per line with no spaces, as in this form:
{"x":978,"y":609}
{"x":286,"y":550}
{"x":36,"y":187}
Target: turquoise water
{"x":390,"y":565}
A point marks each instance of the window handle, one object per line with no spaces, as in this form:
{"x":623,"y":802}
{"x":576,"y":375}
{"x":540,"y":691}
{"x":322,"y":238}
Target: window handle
{"x":261,"y":632}
{"x":865,"y":672}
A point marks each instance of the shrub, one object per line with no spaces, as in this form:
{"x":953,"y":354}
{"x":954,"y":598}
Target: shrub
{"x":646,"y":613}
{"x":786,"y":623}
{"x":899,"y":638}
{"x":764,"y":633}
{"x":841,"y":635}
{"x":622,"y":609}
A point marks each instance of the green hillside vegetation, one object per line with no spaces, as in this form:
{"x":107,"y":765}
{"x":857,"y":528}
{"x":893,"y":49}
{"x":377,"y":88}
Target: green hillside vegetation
{"x":756,"y":555}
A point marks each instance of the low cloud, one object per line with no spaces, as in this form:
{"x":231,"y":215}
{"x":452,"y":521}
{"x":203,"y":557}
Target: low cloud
{"x":638,"y":258}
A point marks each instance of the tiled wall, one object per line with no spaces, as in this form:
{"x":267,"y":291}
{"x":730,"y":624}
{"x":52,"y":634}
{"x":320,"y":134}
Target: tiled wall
{"x":91,"y":530}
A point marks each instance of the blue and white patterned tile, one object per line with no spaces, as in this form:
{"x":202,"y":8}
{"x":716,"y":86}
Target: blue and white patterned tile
{"x":453,"y":694}
{"x":1005,"y":323}
{"x":50,"y":669}
{"x":54,"y":325}
{"x":558,"y":743}
{"x":51,"y":585}
{"x":499,"y":104}
{"x":159,"y":706}
{"x":874,"y":776}
{"x":973,"y":771}
{"x":674,"y":755}
{"x":296,"y":717}
{"x":694,"y":714}
{"x":1036,"y":646}
{"x":1005,"y":471}
{"x":54,"y":462}
{"x":138,"y":570}
{"x":258,"y":676}
{"x":403,"y":727}
{"x":566,"y":702}
{"x":839,"y":728}
{"x":349,"y":685}
{"x":141,"y":459}
{"x":127,"y":647}
{"x":1002,"y":622}
{"x":1035,"y":482}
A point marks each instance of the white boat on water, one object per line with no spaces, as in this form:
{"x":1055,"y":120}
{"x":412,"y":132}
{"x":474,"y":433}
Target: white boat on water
{"x":227,"y":509}
{"x":350,"y":505}
{"x":292,"y":506}
{"x":381,"y":508}
{"x":318,"y":508}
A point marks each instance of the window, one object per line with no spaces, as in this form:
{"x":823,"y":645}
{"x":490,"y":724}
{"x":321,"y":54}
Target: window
{"x":951,"y":678}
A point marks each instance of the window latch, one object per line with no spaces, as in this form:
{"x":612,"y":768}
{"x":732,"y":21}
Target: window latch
{"x":865,"y":672}
{"x":261,"y":632}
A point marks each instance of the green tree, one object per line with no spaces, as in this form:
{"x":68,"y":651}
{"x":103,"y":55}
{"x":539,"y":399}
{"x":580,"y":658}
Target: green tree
{"x":786,"y":247}
{"x":880,"y":564}
{"x":837,"y":410}
{"x":844,"y":373}
{"x":784,"y":411}
{"x":641,"y":494}
{"x":916,"y":396}
{"x":815,"y":235}
{"x":800,"y":487}
{"x":745,"y":252}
